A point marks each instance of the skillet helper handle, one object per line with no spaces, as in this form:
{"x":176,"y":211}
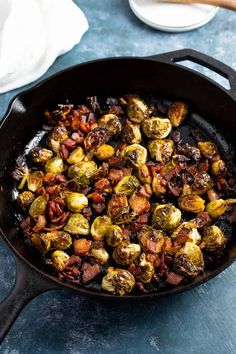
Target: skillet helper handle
{"x":28,"y":284}
{"x":204,"y":60}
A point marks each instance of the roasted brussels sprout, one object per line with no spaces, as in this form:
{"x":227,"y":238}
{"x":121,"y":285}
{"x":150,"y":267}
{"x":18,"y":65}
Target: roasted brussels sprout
{"x":54,"y":165}
{"x":117,"y":206}
{"x":118,"y":281}
{"x":127,"y":185}
{"x":41,"y":242}
{"x":191,"y":203}
{"x":215,"y":239}
{"x":216,"y":208}
{"x":35,"y":181}
{"x":218,"y":167}
{"x":77,"y":224}
{"x":161,"y":149}
{"x":136,"y":154}
{"x":137,"y":110}
{"x":111,"y":123}
{"x":158,"y":185}
{"x":131,"y":133}
{"x":177,"y":113}
{"x":98,"y":251}
{"x":25,"y":199}
{"x":60,"y":240}
{"x":76,"y":202}
{"x":189,"y":260}
{"x":60,"y":260}
{"x":187,"y":231}
{"x":58,"y":135}
{"x":144,"y":174}
{"x":114,"y":235}
{"x":166,"y":217}
{"x":207,"y":148}
{"x":156,"y":128}
{"x":38,"y":207}
{"x":142,"y":269}
{"x":41,"y":155}
{"x":100,"y":226}
{"x":151,"y":240}
{"x":82,"y":171}
{"x":202,"y":183}
{"x":76,"y":156}
{"x":125,"y":253}
{"x":104,"y":152}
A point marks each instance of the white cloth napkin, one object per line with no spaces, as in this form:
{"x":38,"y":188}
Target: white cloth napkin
{"x":32,"y":34}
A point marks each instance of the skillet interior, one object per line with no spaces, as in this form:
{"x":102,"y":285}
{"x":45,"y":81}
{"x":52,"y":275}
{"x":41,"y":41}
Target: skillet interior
{"x":110,"y":77}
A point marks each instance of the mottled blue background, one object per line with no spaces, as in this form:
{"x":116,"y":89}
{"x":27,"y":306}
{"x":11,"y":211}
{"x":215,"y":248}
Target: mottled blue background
{"x":200,"y":321}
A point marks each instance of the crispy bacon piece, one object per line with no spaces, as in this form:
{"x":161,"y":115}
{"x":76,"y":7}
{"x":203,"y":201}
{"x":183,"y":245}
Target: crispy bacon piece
{"x":89,"y":271}
{"x":173,"y":278}
{"x":81,"y":246}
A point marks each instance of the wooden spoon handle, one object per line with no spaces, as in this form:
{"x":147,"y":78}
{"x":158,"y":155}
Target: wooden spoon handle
{"x":227,"y":4}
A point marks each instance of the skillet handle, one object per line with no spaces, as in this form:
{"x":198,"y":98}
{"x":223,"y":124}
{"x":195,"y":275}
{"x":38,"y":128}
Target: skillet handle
{"x":204,"y":60}
{"x":28,"y":284}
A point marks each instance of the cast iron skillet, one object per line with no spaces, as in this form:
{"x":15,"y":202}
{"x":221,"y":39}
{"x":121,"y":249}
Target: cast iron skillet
{"x":159,"y":75}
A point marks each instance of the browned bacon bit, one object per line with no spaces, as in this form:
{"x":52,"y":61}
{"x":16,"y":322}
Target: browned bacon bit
{"x":103,"y":185}
{"x":82,"y":246}
{"x":143,"y":219}
{"x":74,"y":260}
{"x":89,"y":271}
{"x":212,"y":195}
{"x":116,"y":162}
{"x":155,"y":169}
{"x":87,"y":212}
{"x":203,"y":166}
{"x":146,"y":191}
{"x":58,"y":219}
{"x":173,"y":278}
{"x":202,"y":245}
{"x":232,"y":217}
{"x":168,"y":259}
{"x":53,"y":189}
{"x":141,"y":287}
{"x":203,"y":219}
{"x":99,"y":207}
{"x":97,"y":198}
{"x":40,"y":191}
{"x":115,"y":175}
{"x":176,"y":137}
{"x":49,"y":178}
{"x":69,"y":144}
{"x":102,"y":172}
{"x":97,"y":137}
{"x":59,"y":201}
{"x":126,"y":233}
{"x":55,"y":228}
{"x":64,"y":152}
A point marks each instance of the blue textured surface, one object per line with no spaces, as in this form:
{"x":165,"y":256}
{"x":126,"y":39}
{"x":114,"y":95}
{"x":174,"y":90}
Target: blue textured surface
{"x":200,"y":321}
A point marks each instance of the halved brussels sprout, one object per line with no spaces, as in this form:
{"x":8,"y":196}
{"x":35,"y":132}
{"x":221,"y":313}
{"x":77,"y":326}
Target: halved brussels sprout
{"x":191,"y":203}
{"x":151,"y":240}
{"x":35,"y":181}
{"x":142,"y":269}
{"x":100,"y":226}
{"x":110,"y":122}
{"x":125,"y":253}
{"x":127,"y":185}
{"x":114,"y":235}
{"x":41,"y":242}
{"x":77,"y":224}
{"x":58,"y":135}
{"x":25,"y":199}
{"x":187,"y":231}
{"x":189,"y":260}
{"x":166,"y":217}
{"x":136,"y":154}
{"x":208,"y":148}
{"x":76,"y":202}
{"x":41,"y":155}
{"x":215,"y":239}
{"x":104,"y":152}
{"x":202,"y":183}
{"x":118,"y":281}
{"x":131,"y":133}
{"x":54,"y":165}
{"x":217,"y":208}
{"x":144,"y":174}
{"x":117,"y":206}
{"x":161,"y":149}
{"x":60,"y":260}
{"x":60,"y":240}
{"x":38,"y":207}
{"x":177,"y":113}
{"x":218,"y":167}
{"x":156,"y":128}
{"x":77,"y":155}
{"x":98,"y":251}
{"x":137,"y":110}
{"x":82,"y":171}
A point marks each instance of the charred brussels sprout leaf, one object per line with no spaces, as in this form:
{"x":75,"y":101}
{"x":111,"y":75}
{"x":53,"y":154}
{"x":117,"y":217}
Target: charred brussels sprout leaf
{"x":208,"y":148}
{"x":177,"y":113}
{"x":166,"y":217}
{"x":189,"y":260}
{"x":118,"y":281}
{"x":156,"y":128}
{"x":77,"y":224}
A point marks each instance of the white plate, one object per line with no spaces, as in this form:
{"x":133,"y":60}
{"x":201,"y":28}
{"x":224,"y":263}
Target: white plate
{"x":172,"y":17}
